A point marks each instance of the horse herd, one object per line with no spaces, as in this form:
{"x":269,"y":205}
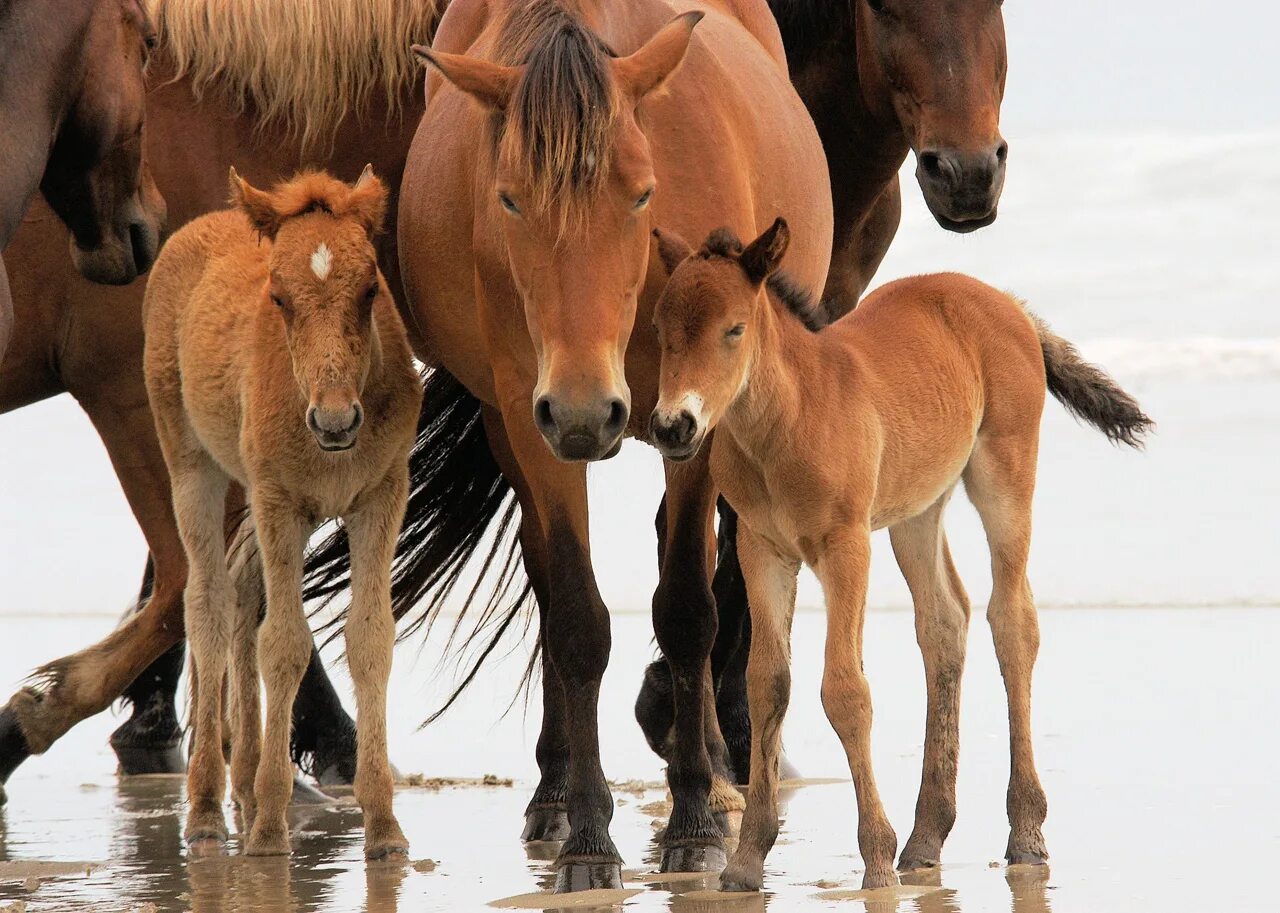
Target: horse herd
{"x":552,"y":222}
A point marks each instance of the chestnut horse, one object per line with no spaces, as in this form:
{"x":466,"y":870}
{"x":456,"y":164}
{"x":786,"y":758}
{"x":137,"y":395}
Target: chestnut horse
{"x":934,"y":379}
{"x":555,"y":136}
{"x":270,"y":336}
{"x":880,"y":78}
{"x":71,"y":111}
{"x":264,"y":90}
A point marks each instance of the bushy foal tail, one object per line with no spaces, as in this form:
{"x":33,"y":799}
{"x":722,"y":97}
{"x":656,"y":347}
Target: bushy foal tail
{"x":457,"y":497}
{"x":1088,"y":392}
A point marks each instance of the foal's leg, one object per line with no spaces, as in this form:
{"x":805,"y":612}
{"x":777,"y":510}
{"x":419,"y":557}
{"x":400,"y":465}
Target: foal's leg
{"x":284,"y":647}
{"x":199,"y":487}
{"x":246,"y":743}
{"x":771,"y":592}
{"x":942,"y":624}
{"x":846,"y":696}
{"x":684,"y":620}
{"x":1000,"y":480}
{"x":370,"y":635}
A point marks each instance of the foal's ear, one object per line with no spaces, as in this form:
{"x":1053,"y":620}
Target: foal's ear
{"x":651,"y":66}
{"x":672,"y":249}
{"x":488,"y":83}
{"x":367,"y":202}
{"x":258,"y":205}
{"x":763,"y":255}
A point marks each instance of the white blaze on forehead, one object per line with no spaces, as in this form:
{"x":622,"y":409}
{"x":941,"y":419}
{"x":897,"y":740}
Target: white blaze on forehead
{"x":322,"y":261}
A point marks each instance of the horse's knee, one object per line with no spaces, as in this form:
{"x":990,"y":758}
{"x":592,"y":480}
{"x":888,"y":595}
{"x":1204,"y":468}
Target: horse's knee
{"x":846,"y":699}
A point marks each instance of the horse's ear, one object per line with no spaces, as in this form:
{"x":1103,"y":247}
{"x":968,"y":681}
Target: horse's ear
{"x":763,"y":255}
{"x":488,"y":83}
{"x":672,"y":249}
{"x":648,"y":68}
{"x":367,"y":201}
{"x":258,"y":205}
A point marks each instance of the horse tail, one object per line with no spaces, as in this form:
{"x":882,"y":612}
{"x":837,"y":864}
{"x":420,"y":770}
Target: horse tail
{"x":1088,"y":392}
{"x":457,"y":497}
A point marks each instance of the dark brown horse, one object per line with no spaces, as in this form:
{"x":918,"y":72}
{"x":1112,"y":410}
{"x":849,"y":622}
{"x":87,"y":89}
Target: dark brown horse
{"x":263,"y":91}
{"x":880,"y":78}
{"x":71,"y":111}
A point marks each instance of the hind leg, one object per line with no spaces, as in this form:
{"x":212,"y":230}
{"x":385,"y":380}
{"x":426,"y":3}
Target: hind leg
{"x":942,"y":624}
{"x":246,"y":717}
{"x":1000,"y":480}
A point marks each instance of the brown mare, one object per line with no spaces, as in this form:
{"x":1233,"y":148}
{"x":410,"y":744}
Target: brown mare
{"x":264,"y":91}
{"x":880,"y":78}
{"x":71,"y":110}
{"x":270,"y":336}
{"x":934,"y":379}
{"x":555,"y":137}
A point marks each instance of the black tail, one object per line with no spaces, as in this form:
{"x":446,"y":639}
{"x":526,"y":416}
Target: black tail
{"x":456,"y":493}
{"x":1088,"y":392}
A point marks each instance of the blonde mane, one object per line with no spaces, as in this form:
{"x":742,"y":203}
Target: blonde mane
{"x":302,"y":65}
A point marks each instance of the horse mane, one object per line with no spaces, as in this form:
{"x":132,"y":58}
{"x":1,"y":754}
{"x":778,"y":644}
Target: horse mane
{"x":302,"y":65}
{"x":808,"y":25}
{"x":559,"y":122}
{"x":724,"y":244}
{"x":312,"y":191}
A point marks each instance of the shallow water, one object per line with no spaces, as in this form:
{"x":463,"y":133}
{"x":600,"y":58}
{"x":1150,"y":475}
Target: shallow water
{"x":1155,"y":738}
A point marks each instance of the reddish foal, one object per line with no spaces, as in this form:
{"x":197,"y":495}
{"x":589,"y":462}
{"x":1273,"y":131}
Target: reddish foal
{"x":871,"y":423}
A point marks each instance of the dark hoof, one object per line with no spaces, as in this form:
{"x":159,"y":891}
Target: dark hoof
{"x":306,"y":794}
{"x":546,"y":823}
{"x":695,"y":858}
{"x":722,"y":821}
{"x":207,"y":844}
{"x":1028,"y":857}
{"x":159,"y":759}
{"x":588,"y":876}
{"x":916,"y":863}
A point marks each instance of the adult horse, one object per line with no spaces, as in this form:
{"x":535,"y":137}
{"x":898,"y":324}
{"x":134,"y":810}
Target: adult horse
{"x":71,"y":113}
{"x":268,"y":88}
{"x":881,"y":78}
{"x":556,"y":135}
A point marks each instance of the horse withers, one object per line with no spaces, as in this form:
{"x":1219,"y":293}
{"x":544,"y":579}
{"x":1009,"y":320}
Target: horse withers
{"x":275,"y":358}
{"x":934,"y":379}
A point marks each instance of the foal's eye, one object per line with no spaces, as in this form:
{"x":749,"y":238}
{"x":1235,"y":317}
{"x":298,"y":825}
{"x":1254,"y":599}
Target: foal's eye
{"x":150,"y":41}
{"x":371,"y":293}
{"x":877,"y":6}
{"x":735,"y":332}
{"x":644,"y":199}
{"x":508,"y":204}
{"x":277,"y":301}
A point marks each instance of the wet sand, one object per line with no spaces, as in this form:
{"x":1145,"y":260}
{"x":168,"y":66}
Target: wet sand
{"x":1155,"y":736}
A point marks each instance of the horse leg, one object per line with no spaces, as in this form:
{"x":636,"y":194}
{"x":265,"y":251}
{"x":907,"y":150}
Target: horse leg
{"x":771,"y":588}
{"x":732,"y":647}
{"x":576,"y":635}
{"x":370,"y":634}
{"x":1000,"y":480}
{"x":284,"y":648}
{"x":942,"y":624}
{"x":684,"y":621}
{"x":246,"y":744}
{"x":546,"y":817}
{"x":846,"y":696}
{"x":150,"y":741}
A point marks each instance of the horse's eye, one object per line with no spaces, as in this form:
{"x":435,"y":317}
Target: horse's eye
{"x":644,"y":199}
{"x":735,"y":331}
{"x":150,"y":41}
{"x":277,"y":301}
{"x":508,"y":204}
{"x":877,"y":6}
{"x":371,"y":293}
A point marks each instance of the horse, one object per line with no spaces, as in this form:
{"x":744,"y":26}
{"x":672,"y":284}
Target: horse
{"x":261,"y":87}
{"x":275,"y":358}
{"x":935,"y":379}
{"x":880,"y":78}
{"x":71,"y":114}
{"x":556,"y":134}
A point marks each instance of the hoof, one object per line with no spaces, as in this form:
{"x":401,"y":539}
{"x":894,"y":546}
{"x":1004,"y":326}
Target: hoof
{"x":1027,"y":857}
{"x":13,"y":746}
{"x":138,"y":760}
{"x":871,"y":880}
{"x":207,"y":843}
{"x":919,"y":854}
{"x":546,"y":823}
{"x":588,"y":876}
{"x":694,"y":858}
{"x":390,"y":851}
{"x":306,"y":794}
{"x":916,"y":863}
{"x":262,"y":842}
{"x":740,"y":880}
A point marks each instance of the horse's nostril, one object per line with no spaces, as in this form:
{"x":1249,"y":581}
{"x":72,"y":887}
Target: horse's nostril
{"x":357,"y":419}
{"x":1002,"y":152}
{"x":931,"y":162}
{"x":617,"y":416}
{"x":542,"y":416}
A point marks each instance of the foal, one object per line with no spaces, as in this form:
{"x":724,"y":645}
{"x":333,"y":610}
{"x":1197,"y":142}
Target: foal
{"x":871,"y":423}
{"x":270,"y":337}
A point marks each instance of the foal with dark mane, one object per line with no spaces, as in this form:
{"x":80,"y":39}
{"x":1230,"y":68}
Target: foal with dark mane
{"x":934,"y":379}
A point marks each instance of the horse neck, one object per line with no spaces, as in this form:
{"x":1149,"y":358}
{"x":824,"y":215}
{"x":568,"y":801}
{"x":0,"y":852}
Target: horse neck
{"x":39,"y":72}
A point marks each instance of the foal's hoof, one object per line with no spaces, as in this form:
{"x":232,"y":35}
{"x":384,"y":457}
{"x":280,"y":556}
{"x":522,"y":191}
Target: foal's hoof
{"x":267,"y":842}
{"x":392,"y":851}
{"x":588,"y":876}
{"x":918,"y":855}
{"x":546,"y":823}
{"x":694,"y":858}
{"x":739,"y":879}
{"x":206,"y":843}
{"x":1027,"y":857}
{"x":878,"y":878}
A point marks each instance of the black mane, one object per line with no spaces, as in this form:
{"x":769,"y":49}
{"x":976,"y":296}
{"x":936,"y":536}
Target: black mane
{"x":807,"y":25}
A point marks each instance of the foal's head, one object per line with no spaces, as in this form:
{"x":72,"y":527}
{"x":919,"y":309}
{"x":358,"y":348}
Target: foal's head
{"x":572,"y":180}
{"x":707,"y":320}
{"x":95,"y":179}
{"x":323,"y":279}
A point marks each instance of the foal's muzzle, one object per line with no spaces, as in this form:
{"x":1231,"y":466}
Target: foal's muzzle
{"x":675,"y":434}
{"x":335,"y":429}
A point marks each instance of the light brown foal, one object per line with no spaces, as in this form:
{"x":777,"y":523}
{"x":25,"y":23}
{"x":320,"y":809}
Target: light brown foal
{"x":871,"y":423}
{"x":275,"y":358}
